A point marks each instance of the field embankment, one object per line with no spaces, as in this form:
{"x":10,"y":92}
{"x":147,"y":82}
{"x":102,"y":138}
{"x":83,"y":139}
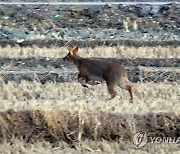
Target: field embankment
{"x":88,"y":43}
{"x":56,"y":70}
{"x":75,"y":126}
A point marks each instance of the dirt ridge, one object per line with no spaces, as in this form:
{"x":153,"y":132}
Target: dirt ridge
{"x":134,"y":75}
{"x":56,"y":70}
{"x":69,"y":125}
{"x":56,"y":63}
{"x":88,"y":43}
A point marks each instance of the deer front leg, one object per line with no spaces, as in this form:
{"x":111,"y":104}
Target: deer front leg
{"x":93,"y":82}
{"x":82,"y":80}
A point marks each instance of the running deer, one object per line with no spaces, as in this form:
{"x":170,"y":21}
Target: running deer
{"x":113,"y":73}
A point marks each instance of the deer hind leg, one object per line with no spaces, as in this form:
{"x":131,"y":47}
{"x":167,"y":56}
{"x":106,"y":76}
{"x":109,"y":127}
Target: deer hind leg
{"x":125,"y":84}
{"x":111,"y":90}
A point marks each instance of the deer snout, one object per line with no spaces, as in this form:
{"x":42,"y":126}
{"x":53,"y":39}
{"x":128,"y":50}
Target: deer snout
{"x":64,"y":59}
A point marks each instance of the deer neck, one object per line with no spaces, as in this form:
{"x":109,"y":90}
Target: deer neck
{"x":76,"y":60}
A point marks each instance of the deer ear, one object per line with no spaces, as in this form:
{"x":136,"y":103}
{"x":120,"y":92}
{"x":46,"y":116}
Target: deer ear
{"x":75,"y":50}
{"x":70,"y":50}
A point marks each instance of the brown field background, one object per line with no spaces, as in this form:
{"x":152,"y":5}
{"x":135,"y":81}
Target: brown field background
{"x":50,"y":102}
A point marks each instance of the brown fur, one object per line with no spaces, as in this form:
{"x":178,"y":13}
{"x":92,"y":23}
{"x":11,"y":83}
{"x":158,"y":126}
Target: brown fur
{"x":112,"y":73}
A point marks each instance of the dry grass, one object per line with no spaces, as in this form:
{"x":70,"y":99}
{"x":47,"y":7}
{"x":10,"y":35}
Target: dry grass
{"x":102,"y":52}
{"x":149,"y":97}
{"x":53,"y":97}
{"x":87,"y":147}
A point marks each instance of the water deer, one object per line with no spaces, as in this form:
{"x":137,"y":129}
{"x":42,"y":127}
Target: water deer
{"x":113,"y":73}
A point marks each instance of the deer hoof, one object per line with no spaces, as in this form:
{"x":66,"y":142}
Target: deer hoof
{"x":85,"y":86}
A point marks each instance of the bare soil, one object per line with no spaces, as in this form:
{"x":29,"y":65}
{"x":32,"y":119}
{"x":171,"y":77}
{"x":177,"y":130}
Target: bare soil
{"x":85,"y":23}
{"x":56,"y":70}
{"x":88,"y":43}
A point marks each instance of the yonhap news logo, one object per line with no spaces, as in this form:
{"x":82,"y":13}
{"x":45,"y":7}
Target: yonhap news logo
{"x":140,"y":139}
